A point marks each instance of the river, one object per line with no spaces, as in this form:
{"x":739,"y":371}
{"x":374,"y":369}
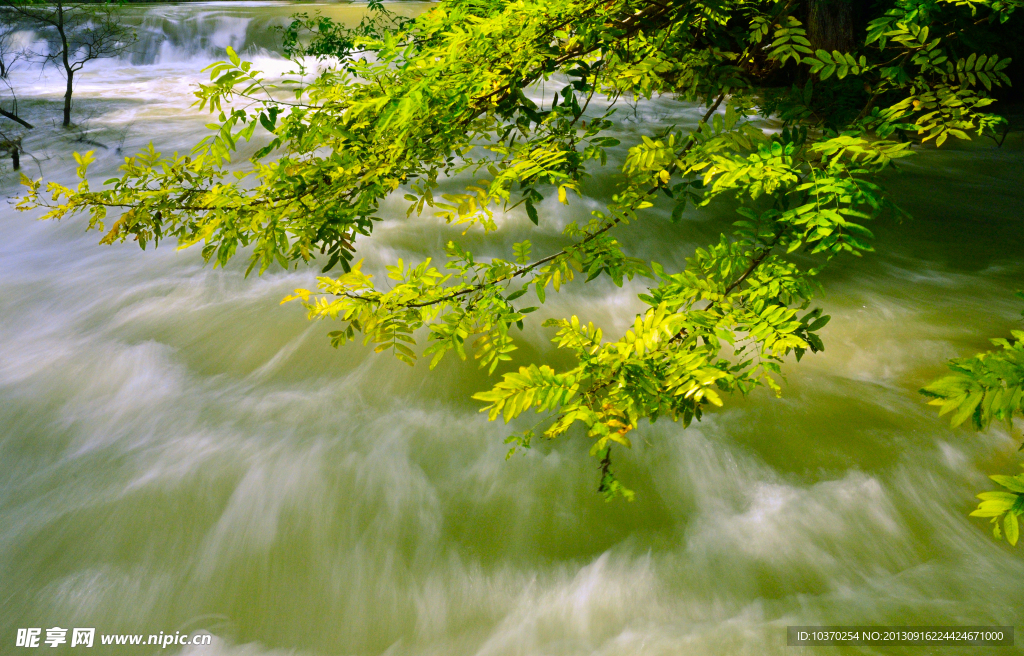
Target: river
{"x":180,"y":453}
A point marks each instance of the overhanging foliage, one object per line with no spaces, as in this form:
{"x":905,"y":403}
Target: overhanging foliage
{"x":397,"y":104}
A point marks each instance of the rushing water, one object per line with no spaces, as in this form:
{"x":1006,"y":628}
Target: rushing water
{"x":180,"y":453}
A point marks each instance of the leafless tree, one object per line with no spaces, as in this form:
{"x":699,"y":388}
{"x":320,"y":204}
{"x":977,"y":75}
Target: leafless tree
{"x":13,"y":114}
{"x":76,"y":34}
{"x":9,"y":53}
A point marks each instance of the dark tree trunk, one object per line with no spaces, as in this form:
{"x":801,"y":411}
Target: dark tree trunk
{"x":830,"y":25}
{"x":15,"y":158}
{"x":67,"y":97}
{"x":69,"y":71}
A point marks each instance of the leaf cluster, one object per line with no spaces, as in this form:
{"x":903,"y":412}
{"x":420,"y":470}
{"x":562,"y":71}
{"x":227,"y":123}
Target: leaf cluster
{"x":398,"y":106}
{"x":985,"y":388}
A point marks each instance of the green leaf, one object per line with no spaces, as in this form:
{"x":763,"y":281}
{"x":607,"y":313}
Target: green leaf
{"x":819,"y":323}
{"x":966,"y":409}
{"x":1013,"y":483}
{"x":531,"y":212}
{"x":1011,"y":528}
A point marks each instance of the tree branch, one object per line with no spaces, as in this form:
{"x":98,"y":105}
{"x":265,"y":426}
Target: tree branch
{"x":16,"y":118}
